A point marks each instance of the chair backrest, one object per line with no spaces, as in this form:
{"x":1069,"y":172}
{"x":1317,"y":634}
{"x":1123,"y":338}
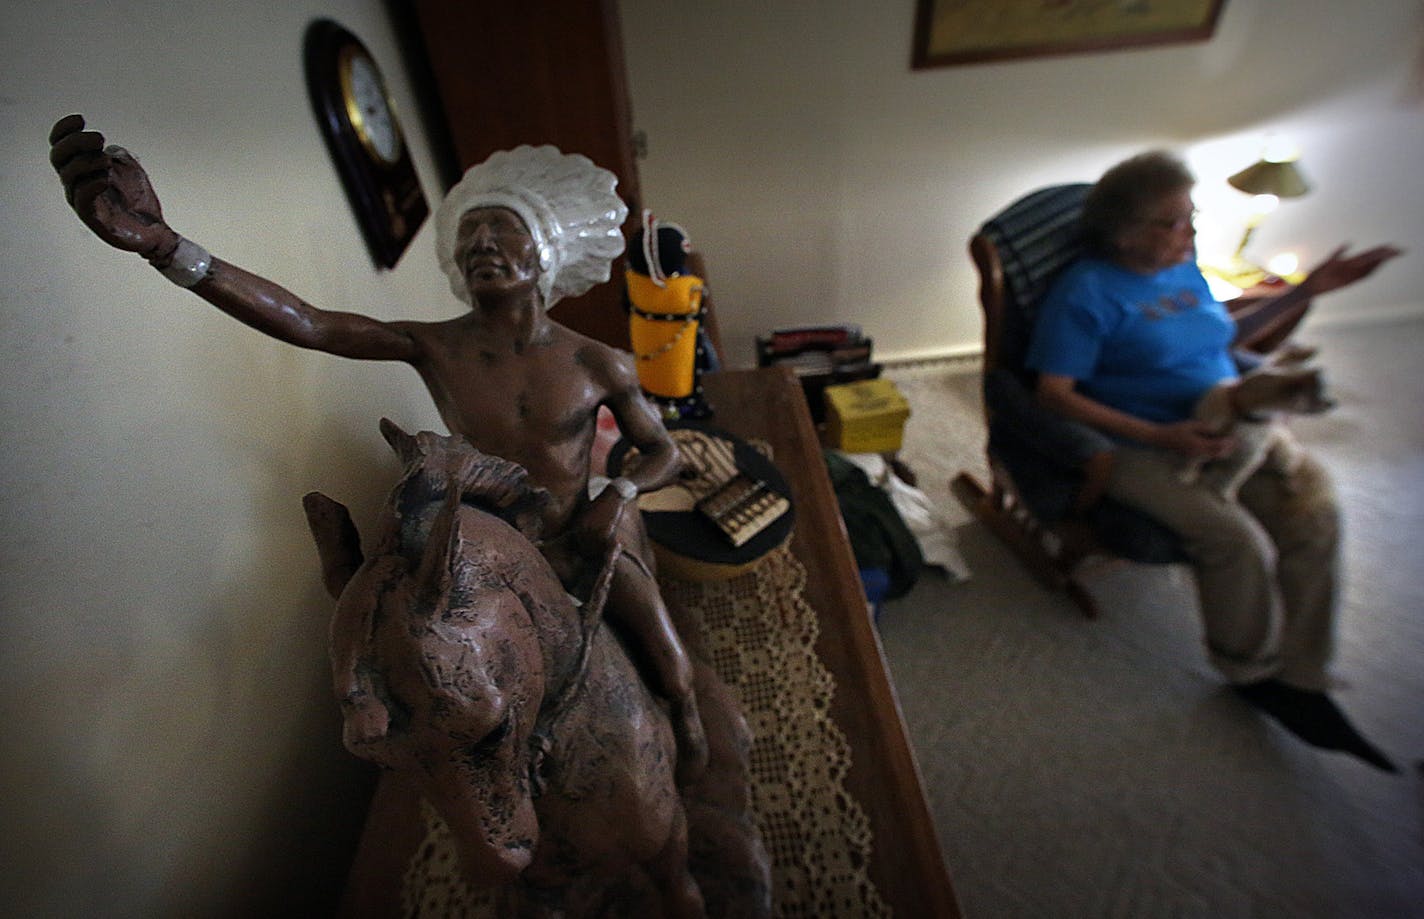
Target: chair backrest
{"x":1018,"y":252}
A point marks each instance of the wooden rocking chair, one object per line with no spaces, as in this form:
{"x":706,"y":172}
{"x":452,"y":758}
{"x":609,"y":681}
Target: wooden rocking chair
{"x":1046,"y":496}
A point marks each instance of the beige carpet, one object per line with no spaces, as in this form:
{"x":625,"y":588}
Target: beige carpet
{"x":1099,"y":769}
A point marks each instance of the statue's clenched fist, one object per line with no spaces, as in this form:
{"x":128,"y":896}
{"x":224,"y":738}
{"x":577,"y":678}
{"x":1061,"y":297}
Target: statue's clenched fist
{"x":109,"y":191}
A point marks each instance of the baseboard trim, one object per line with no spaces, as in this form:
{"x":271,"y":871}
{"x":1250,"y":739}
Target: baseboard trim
{"x":970,"y":358}
{"x":961,"y":359}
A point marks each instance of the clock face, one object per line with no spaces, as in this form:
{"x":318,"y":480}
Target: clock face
{"x":368,"y":107}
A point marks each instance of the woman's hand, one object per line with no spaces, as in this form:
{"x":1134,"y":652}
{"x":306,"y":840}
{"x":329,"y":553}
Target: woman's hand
{"x":109,"y":191}
{"x":1194,"y":439}
{"x":1340,"y":269}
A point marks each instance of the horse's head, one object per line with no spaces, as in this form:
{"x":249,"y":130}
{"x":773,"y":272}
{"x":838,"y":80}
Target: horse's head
{"x":471,"y":688}
{"x":438,"y":641}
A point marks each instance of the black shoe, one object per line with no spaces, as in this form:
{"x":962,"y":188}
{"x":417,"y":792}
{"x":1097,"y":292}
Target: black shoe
{"x":1314,"y":718}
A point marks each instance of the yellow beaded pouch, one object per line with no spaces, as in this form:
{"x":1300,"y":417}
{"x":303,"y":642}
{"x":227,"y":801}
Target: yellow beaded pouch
{"x":663,"y":325}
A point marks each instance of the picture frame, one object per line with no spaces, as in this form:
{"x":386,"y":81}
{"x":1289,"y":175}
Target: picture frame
{"x":954,"y":32}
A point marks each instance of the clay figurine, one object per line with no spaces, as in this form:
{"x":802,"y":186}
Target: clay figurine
{"x":517,"y":233}
{"x":461,"y":662}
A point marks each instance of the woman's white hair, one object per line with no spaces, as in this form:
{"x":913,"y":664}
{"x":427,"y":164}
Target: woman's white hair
{"x":567,"y":203}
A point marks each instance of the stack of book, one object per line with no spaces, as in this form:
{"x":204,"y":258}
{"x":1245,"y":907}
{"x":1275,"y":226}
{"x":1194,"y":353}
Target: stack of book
{"x":820,"y":356}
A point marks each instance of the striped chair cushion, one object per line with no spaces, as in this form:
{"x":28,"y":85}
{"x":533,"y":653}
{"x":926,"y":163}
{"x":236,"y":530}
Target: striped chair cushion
{"x":1037,"y":236}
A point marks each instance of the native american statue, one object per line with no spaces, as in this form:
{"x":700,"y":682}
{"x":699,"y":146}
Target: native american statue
{"x":504,"y":644}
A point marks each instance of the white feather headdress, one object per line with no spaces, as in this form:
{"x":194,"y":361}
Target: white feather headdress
{"x":568,"y":204}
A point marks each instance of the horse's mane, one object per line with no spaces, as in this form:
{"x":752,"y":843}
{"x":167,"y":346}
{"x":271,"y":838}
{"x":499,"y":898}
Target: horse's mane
{"x":495,"y":485}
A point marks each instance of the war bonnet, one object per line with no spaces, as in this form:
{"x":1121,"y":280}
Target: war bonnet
{"x":567,"y":203}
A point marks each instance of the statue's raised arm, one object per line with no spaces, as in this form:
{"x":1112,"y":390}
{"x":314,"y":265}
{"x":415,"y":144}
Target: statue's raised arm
{"x":112,"y":194}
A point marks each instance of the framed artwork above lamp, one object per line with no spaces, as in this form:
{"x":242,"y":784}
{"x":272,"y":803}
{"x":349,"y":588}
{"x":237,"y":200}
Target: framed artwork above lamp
{"x":949,"y":32}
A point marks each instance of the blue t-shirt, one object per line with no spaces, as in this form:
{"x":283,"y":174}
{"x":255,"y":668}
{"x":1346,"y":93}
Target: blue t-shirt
{"x":1149,"y":345}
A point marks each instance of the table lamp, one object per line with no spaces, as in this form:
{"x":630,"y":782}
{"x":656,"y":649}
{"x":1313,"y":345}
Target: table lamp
{"x":1269,"y":179}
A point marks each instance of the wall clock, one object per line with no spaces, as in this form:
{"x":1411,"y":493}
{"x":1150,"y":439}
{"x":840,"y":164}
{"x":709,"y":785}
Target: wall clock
{"x":365,"y":138}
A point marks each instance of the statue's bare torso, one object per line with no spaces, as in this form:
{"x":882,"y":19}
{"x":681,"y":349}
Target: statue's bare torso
{"x":497,"y":394}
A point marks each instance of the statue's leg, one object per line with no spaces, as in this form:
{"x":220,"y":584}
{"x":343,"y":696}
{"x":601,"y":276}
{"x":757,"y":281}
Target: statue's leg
{"x":636,"y":606}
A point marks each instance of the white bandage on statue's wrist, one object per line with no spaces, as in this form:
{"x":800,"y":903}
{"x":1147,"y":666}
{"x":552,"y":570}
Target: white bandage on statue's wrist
{"x":189,"y":265}
{"x":624,"y":487}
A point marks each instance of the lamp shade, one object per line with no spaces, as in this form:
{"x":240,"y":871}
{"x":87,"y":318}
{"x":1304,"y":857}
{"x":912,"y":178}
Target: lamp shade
{"x":1269,"y":177}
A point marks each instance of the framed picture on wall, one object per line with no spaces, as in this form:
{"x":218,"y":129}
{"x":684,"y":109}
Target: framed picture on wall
{"x":949,"y":32}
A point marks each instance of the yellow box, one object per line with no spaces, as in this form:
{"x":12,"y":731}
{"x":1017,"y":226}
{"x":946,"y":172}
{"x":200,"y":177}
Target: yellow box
{"x":866,"y":417}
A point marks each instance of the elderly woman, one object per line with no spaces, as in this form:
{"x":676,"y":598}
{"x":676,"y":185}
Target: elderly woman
{"x":1128,"y":339}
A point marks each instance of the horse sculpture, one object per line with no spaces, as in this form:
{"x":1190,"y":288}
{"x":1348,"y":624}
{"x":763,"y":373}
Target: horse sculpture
{"x":460,"y":661}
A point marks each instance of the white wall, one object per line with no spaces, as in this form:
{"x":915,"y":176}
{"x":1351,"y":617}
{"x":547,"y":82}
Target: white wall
{"x":828,"y":182}
{"x":171,"y":746}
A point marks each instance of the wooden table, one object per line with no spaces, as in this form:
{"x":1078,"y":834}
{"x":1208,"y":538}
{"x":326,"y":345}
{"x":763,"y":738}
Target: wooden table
{"x":907,"y":865}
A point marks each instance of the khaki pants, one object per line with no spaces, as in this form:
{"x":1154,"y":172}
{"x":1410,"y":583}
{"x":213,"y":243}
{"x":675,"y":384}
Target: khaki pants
{"x":1266,"y":566}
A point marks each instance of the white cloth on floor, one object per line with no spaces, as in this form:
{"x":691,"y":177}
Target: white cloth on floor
{"x":931,"y":530}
